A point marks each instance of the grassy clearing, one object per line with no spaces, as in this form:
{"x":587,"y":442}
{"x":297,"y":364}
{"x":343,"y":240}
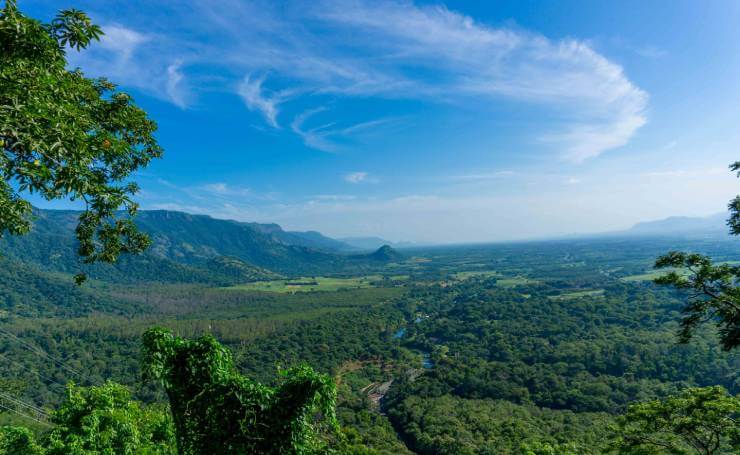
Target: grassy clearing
{"x":653,"y":274}
{"x":514,"y":281}
{"x":649,"y":276}
{"x":399,"y":277}
{"x":308,"y":284}
{"x":475,"y":273}
{"x":577,"y":294}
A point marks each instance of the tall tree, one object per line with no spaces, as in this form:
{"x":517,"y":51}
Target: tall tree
{"x":713,"y":289}
{"x":66,"y":136}
{"x":217,"y":410}
{"x":696,"y":421}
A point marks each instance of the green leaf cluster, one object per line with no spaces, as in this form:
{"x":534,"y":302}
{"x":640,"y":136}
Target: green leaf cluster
{"x":713,"y":294}
{"x":97,"y":420}
{"x":697,"y":420}
{"x":65,"y":136}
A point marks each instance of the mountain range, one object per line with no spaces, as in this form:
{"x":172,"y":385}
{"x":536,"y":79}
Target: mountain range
{"x":192,"y":248}
{"x":682,"y":225}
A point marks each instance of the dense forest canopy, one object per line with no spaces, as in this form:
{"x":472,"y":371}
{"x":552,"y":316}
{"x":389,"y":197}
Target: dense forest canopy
{"x":518,"y":348}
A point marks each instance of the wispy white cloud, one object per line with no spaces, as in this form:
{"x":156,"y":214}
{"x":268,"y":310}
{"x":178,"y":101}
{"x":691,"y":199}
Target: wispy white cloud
{"x":675,"y":173}
{"x":329,"y":137}
{"x":137,"y":59}
{"x":256,"y":99}
{"x":359,"y":177}
{"x":315,"y":137}
{"x":482,"y":176}
{"x":224,"y":189}
{"x":387,"y":48}
{"x":122,"y":41}
{"x":474,"y":59}
{"x":174,"y":86}
{"x":335,"y":197}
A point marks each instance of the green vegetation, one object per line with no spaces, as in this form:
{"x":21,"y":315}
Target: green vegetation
{"x":105,"y":419}
{"x":475,"y":273}
{"x":514,"y":281}
{"x":712,"y":287}
{"x":65,"y":136}
{"x":215,"y":409}
{"x":697,"y":420}
{"x":309,"y":284}
{"x":647,"y":276}
{"x":458,"y":426}
{"x":476,"y":366}
{"x":713,"y":294}
{"x":577,"y":294}
{"x":211,"y":409}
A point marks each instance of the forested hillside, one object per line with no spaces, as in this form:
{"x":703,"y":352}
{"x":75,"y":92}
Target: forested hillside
{"x":190,"y":249}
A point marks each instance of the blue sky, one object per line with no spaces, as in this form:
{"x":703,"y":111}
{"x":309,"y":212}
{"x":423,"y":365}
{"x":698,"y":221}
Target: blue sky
{"x":462,"y":121}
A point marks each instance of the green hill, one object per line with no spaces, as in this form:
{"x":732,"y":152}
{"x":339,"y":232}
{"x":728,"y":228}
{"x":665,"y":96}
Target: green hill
{"x":186,"y":249}
{"x":386,"y":254}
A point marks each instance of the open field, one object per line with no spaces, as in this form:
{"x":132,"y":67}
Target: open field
{"x":475,"y":273}
{"x":578,"y":294}
{"x":515,"y":281}
{"x":308,"y":284}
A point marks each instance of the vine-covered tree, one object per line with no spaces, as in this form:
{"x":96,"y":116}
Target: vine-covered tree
{"x":213,"y":408}
{"x":217,"y":410}
{"x":696,"y":421}
{"x":66,"y":136}
{"x":713,"y":289}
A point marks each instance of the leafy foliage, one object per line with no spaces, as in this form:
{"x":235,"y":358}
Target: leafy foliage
{"x":697,"y":420}
{"x":734,"y":206}
{"x":713,"y":294}
{"x":714,"y":291}
{"x":63,"y":135}
{"x":455,"y":426}
{"x":104,"y":419}
{"x":215,"y":409}
{"x":95,"y":420}
{"x":522,"y":358}
{"x":18,"y":441}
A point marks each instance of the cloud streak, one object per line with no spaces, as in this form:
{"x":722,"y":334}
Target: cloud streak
{"x":256,"y":100}
{"x":390,"y":49}
{"x":359,"y":177}
{"x":328,"y":137}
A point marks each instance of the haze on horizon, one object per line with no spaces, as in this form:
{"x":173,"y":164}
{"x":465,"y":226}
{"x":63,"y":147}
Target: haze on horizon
{"x":434,"y":122}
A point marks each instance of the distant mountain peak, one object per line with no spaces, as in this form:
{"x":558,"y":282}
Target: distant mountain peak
{"x":682,"y":225}
{"x":386,"y":254}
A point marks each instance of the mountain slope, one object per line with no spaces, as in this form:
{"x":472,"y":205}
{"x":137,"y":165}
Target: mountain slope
{"x":682,"y":225}
{"x":314,"y":239}
{"x":185,"y":248}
